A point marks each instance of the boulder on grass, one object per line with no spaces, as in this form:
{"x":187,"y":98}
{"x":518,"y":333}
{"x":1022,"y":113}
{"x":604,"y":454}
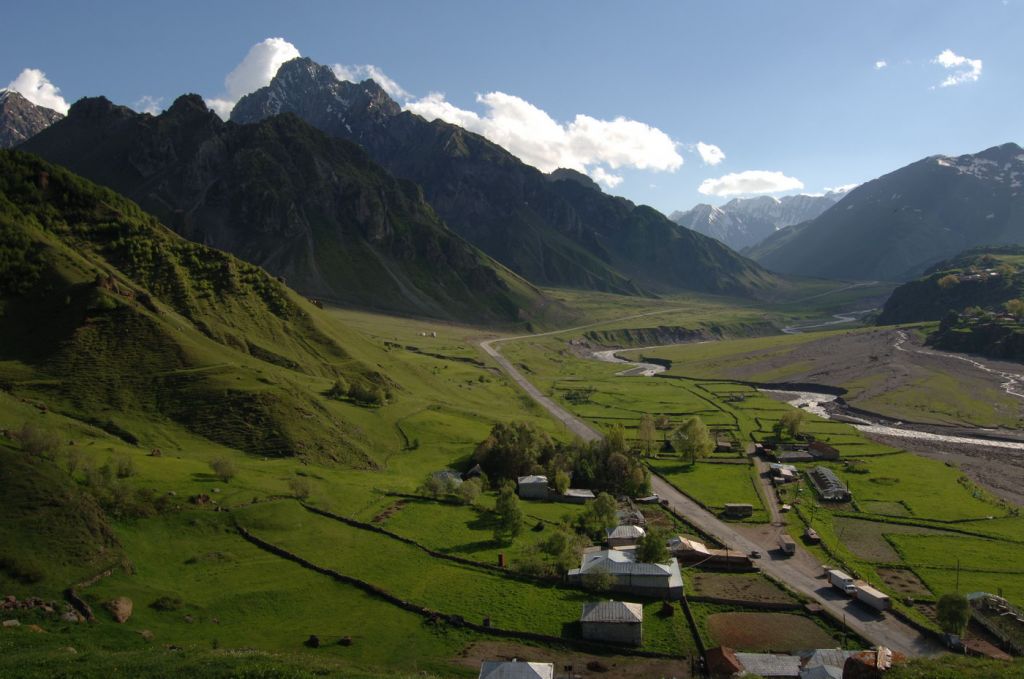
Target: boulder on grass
{"x":120,"y":608}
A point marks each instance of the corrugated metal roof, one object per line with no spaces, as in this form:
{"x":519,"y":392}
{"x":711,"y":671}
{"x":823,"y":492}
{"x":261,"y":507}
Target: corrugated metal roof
{"x":631,"y":532}
{"x":618,"y":562}
{"x":533,"y":479}
{"x":770,"y":665}
{"x":497,"y":669}
{"x":612,"y":611}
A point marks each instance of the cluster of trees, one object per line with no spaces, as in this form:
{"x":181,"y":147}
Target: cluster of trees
{"x":361,"y":391}
{"x":518,"y":449}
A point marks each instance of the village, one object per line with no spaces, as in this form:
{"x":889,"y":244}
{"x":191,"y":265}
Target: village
{"x":622,"y":569}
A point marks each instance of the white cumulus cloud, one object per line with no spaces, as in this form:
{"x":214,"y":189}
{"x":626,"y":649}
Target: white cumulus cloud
{"x":749,"y":181}
{"x":585,"y":144}
{"x":963,"y":69}
{"x":37,"y":88}
{"x":880,"y":64}
{"x":710,"y":154}
{"x":256,"y":70}
{"x":148,"y":104}
{"x":356,"y":72}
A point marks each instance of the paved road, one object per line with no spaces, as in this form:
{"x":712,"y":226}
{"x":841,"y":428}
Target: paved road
{"x":802,"y":572}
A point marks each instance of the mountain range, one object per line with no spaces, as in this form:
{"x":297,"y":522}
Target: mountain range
{"x":745,"y":222}
{"x":20,"y":119}
{"x":552,"y":229}
{"x":896,"y":226}
{"x":313,"y":210}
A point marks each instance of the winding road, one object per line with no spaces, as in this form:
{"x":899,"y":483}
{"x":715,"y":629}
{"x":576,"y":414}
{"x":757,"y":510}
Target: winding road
{"x":802,"y":572}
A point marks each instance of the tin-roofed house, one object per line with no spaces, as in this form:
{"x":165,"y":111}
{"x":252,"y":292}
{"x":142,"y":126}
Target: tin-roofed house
{"x":515,"y":669}
{"x":624,"y":536}
{"x":533,"y":487}
{"x":615,"y":621}
{"x":661,"y":580}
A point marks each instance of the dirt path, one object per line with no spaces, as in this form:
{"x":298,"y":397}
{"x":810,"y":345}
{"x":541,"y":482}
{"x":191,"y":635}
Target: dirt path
{"x":802,"y":572}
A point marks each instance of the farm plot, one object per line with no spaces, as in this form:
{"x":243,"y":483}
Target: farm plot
{"x":749,"y":587}
{"x":763,"y":632}
{"x":867,"y":541}
{"x":713,"y":485}
{"x":984,"y":565}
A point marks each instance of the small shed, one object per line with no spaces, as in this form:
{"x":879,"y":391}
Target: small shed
{"x":624,"y":536}
{"x":533,"y":487}
{"x":615,"y":621}
{"x":474,"y":473}
{"x":738,"y":510}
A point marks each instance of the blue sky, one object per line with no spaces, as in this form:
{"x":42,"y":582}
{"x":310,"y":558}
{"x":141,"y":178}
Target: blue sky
{"x":786,"y":87}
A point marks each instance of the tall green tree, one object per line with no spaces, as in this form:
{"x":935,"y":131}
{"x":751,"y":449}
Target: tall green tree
{"x":510,"y":515}
{"x":952,"y":612}
{"x":694,"y":438}
{"x":653,"y":547}
{"x":598,"y":516}
{"x":645,"y":432}
{"x":792,"y":421}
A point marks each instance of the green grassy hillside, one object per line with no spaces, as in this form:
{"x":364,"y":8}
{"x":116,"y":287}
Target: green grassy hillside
{"x":113,"y":319}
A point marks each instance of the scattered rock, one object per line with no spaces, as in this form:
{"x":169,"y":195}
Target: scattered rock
{"x":120,"y":608}
{"x":313,"y":641}
{"x":156,"y":452}
{"x":73,"y":617}
{"x":69,"y":649}
{"x":147,"y":635}
{"x":35,"y":628}
{"x":171,"y":493}
{"x":201,"y":499}
{"x":189,"y":619}
{"x":11,"y":623}
{"x":345,"y":641}
{"x":215,"y":490}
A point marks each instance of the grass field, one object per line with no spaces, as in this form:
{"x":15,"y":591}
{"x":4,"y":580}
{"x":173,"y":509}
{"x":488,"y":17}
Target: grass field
{"x":714,"y":485}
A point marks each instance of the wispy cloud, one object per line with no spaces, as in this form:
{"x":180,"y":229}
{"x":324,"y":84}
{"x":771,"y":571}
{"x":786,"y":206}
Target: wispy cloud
{"x":963,"y":69}
{"x":880,"y":64}
{"x":749,"y":181}
{"x":585,"y":144}
{"x":148,"y":104}
{"x":256,"y":70}
{"x":710,"y":154}
{"x":37,"y":88}
{"x":357,"y":72}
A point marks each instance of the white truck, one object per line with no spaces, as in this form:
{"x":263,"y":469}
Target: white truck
{"x":787,"y":545}
{"x":842,"y":582}
{"x":867,"y":594}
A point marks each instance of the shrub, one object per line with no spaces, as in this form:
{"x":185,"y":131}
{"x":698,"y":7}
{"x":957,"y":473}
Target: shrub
{"x":124,"y":467}
{"x":300,"y":487}
{"x":37,"y":441}
{"x":166,"y":603}
{"x":598,"y":580}
{"x":223,"y":468}
{"x":470,"y":490}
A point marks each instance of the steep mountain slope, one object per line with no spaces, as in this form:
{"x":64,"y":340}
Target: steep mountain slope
{"x":280,"y":194}
{"x":110,"y":318}
{"x":20,"y":119}
{"x":894,"y":227}
{"x":745,"y":222}
{"x":551,"y":229}
{"x":984,"y":277}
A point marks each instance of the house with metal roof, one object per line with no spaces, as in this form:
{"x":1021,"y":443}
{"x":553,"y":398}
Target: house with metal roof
{"x":661,"y":580}
{"x":624,"y":536}
{"x":577,"y":496}
{"x":515,"y":669}
{"x":615,"y":621}
{"x":533,"y":487}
